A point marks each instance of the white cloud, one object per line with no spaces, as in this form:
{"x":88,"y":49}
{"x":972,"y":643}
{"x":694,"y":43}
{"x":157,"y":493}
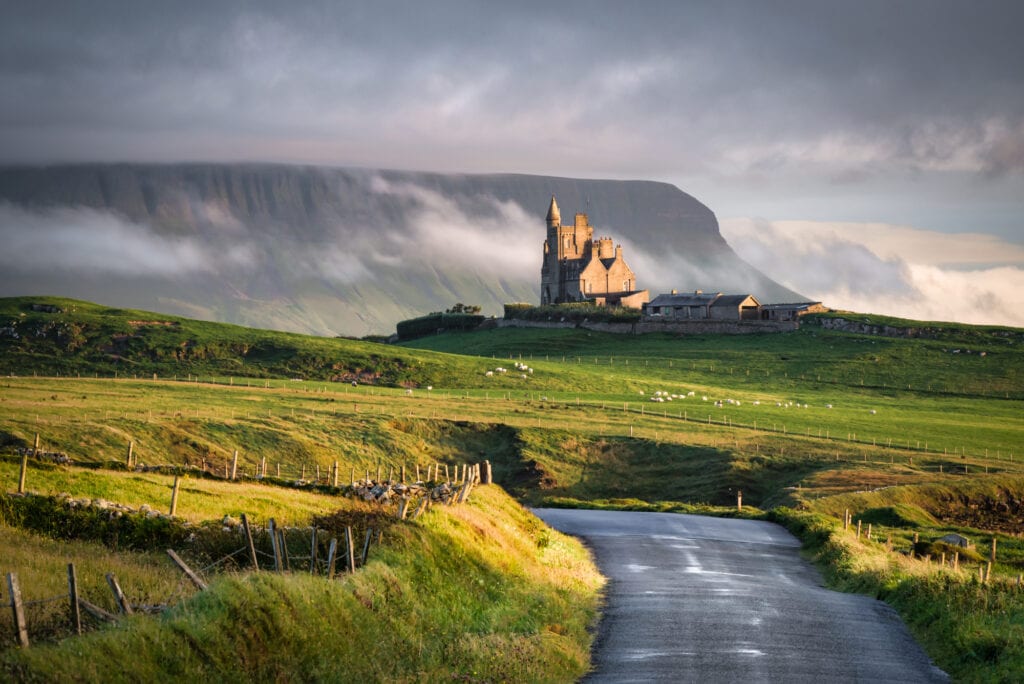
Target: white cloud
{"x":894,"y":270}
{"x":82,"y":240}
{"x":495,"y":239}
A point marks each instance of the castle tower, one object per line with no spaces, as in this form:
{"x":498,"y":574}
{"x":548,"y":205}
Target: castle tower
{"x":554,"y":216}
{"x":577,"y":268}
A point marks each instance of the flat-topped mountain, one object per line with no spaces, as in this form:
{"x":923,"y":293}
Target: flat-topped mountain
{"x":333,"y":251}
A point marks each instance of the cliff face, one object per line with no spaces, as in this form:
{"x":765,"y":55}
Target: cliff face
{"x":333,"y":251}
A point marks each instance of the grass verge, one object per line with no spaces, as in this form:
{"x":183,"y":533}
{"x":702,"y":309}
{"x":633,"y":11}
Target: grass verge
{"x":971,"y":630}
{"x":478,"y":592}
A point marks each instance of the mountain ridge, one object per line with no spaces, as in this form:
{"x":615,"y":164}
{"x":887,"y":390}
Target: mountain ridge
{"x":333,"y":250}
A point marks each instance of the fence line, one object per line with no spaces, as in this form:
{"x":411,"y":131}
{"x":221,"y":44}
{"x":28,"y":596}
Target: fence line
{"x":345,"y":549}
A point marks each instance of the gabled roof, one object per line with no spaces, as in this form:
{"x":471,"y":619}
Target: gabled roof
{"x":733,"y":300}
{"x":686,"y":299}
{"x":799,"y":306}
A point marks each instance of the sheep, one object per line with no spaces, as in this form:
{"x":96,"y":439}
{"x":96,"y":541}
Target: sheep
{"x":873,"y":411}
{"x":828,"y":406}
{"x":489,"y":374}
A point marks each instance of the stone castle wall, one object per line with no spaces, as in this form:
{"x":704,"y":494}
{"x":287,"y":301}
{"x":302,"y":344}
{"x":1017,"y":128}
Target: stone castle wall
{"x":696,"y":327}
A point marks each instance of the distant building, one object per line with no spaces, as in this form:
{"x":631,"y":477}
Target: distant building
{"x":698,"y":305}
{"x":790,"y":312}
{"x":578,"y":268}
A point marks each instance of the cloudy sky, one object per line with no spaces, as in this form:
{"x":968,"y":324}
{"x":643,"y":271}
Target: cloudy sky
{"x":869,"y":153}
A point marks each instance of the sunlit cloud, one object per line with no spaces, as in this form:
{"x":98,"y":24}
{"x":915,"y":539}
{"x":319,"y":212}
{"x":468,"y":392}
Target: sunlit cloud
{"x":894,"y":270}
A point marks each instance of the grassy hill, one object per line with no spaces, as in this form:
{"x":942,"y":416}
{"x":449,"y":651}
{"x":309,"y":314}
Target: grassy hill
{"x":918,"y":433}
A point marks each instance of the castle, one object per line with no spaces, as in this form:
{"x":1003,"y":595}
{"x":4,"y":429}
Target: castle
{"x":579,"y":268}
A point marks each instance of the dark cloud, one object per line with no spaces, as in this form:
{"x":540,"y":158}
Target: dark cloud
{"x":806,"y":101}
{"x":579,"y":84}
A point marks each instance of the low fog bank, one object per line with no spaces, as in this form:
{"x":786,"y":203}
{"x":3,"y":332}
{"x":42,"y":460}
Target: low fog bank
{"x":892,"y":270}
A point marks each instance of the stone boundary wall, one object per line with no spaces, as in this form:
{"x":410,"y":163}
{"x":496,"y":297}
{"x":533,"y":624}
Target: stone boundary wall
{"x":701,"y":327}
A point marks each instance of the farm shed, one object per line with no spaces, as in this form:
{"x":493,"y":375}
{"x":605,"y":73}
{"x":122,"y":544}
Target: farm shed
{"x":790,"y":312}
{"x":741,"y":307}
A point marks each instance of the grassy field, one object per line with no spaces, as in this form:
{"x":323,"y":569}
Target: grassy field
{"x":918,"y":436}
{"x":477,"y":592}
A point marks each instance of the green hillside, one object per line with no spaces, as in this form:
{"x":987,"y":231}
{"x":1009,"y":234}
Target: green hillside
{"x":918,"y":435}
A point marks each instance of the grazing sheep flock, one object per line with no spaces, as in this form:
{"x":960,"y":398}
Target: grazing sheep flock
{"x":662,"y":396}
{"x":525,"y":371}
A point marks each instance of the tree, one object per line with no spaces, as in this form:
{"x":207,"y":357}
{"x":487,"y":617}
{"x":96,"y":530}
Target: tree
{"x":461,"y":308}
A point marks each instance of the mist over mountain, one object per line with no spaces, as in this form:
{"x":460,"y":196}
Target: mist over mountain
{"x":333,"y":251}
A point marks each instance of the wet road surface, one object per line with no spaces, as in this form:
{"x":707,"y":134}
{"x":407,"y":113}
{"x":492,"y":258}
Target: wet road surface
{"x":699,"y":599}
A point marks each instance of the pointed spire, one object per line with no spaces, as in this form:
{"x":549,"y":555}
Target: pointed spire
{"x":554,"y":217}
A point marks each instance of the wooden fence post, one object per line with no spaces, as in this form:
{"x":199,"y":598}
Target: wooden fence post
{"x":96,"y":611}
{"x":334,"y":477}
{"x":275,"y":544}
{"x":263,"y":467}
{"x":869,"y":530}
{"x":174,"y":495}
{"x":75,"y":613}
{"x":20,"y":628}
{"x":370,"y":531}
{"x":23,"y":473}
{"x":739,"y":499}
{"x":488,"y":477}
{"x":332,"y":556}
{"x":312,"y":552}
{"x":992,"y":556}
{"x":122,"y":601}
{"x":128,"y":458}
{"x":283,"y":545}
{"x":234,"y":465}
{"x":858,"y":530}
{"x":248,"y":540}
{"x":193,"y":577}
{"x":350,"y":550}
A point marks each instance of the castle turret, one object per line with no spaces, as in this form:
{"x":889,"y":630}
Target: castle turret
{"x":554,"y":217}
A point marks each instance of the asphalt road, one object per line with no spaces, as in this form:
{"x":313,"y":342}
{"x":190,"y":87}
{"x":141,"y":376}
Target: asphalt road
{"x":698,"y":599}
